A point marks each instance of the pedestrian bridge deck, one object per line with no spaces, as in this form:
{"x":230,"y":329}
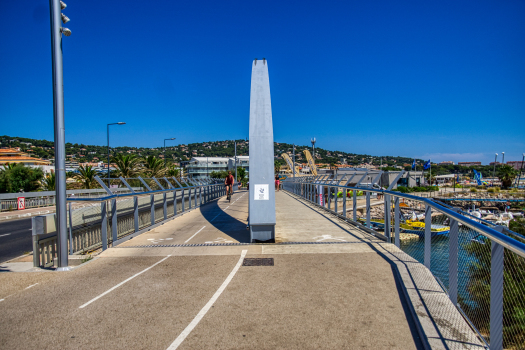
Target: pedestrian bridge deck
{"x":181,"y":285}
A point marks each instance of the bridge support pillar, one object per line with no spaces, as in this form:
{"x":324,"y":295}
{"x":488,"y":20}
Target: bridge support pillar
{"x":396,"y":222}
{"x":262,"y":188}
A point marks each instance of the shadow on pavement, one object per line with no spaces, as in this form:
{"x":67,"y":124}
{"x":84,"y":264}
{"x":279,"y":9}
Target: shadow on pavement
{"x":224,"y":222}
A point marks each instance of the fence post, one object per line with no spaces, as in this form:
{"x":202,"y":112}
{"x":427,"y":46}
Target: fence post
{"x":496,"y":294}
{"x":336,"y":198}
{"x":36,"y":230}
{"x":114,"y":224}
{"x":200,"y":195}
{"x":195,"y":197}
{"x":182,"y":199}
{"x":174,"y":202}
{"x":136,"y":212}
{"x":70,"y":230}
{"x":165,"y":205}
{"x":329,"y":199}
{"x":152,"y":208}
{"x":104,"y":225}
{"x":189,"y":197}
{"x":345,"y":191}
{"x":368,"y":209}
{"x":354,"y":205}
{"x":428,"y":234}
{"x":453,"y":241}
{"x":396,"y":221}
{"x":387,"y":217}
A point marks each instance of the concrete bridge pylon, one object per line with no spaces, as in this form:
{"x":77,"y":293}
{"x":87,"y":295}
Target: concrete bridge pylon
{"x":262,"y":188}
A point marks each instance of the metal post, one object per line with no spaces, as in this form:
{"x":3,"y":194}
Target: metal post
{"x":329,"y":201}
{"x":388,"y":219}
{"x":189,"y":198}
{"x":200,"y":195}
{"x":354,"y":205}
{"x":104,"y":225}
{"x":60,"y":138}
{"x":70,"y":231}
{"x":114,"y":224}
{"x":136,"y":212}
{"x":367,"y":209}
{"x":453,"y":242}
{"x":174,"y":202}
{"x":397,"y":214}
{"x":152,"y":206}
{"x":428,"y":234}
{"x":345,"y":192}
{"x":182,"y":199}
{"x":235,"y":142}
{"x":336,"y":198}
{"x":195,"y":197}
{"x":165,"y":205}
{"x":496,"y":294}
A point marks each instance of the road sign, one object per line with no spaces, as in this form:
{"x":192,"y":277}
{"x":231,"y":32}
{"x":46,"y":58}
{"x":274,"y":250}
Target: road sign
{"x":21,"y":203}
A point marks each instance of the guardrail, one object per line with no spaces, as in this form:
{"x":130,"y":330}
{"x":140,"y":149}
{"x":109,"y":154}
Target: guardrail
{"x":110,"y":220}
{"x":480,"y":266}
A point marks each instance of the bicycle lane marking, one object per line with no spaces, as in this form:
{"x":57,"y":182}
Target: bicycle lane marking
{"x":208,"y":305}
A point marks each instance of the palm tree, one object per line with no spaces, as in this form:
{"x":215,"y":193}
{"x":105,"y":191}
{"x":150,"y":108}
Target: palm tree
{"x":127,"y":165}
{"x":86,"y":176}
{"x":506,"y":174}
{"x":48,"y":182}
{"x":153,"y":167}
{"x":172,"y":170}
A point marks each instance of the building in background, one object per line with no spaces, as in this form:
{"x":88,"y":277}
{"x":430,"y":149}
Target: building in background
{"x":447,"y":162}
{"x":15,"y":156}
{"x":516,"y":164}
{"x":469,"y":163}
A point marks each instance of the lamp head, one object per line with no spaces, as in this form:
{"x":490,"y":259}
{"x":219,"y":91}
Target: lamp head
{"x":121,"y":123}
{"x":65,"y":31}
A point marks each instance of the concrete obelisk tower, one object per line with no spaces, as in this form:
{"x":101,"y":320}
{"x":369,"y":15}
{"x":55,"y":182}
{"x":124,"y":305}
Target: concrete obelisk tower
{"x":262,"y":183}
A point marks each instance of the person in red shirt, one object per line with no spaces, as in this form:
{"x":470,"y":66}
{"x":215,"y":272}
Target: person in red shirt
{"x":228,"y":182}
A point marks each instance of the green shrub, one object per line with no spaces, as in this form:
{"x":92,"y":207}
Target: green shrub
{"x":403,"y":189}
{"x":491,"y":190}
{"x":458,"y":186}
{"x":473,"y":189}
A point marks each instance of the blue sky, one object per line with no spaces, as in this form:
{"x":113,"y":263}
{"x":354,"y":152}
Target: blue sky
{"x":430,"y":79}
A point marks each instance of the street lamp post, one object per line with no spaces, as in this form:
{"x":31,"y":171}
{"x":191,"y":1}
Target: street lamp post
{"x":164,"y":150}
{"x":235,"y":146}
{"x":494,"y":170}
{"x":503,"y":158}
{"x":60,"y":138}
{"x":119,"y":123}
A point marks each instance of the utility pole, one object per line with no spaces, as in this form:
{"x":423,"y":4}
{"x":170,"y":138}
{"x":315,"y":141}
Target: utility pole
{"x":164,"y":150}
{"x":59,"y":129}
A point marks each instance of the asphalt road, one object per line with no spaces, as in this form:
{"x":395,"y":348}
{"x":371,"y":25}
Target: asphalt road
{"x":15,"y":239}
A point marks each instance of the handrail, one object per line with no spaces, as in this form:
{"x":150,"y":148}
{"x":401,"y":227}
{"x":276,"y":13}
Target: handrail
{"x":101,"y":199}
{"x":498,"y":237}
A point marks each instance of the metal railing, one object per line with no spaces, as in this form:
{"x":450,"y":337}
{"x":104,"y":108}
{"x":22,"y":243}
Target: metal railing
{"x":109,"y":220}
{"x":479,"y":265}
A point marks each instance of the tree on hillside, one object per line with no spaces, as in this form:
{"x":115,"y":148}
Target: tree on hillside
{"x":14,"y":178}
{"x":241,"y":174}
{"x":173,"y":171}
{"x":48,"y":182}
{"x":86,"y":177}
{"x":153,"y":167}
{"x":127,"y":165}
{"x":506,"y":174}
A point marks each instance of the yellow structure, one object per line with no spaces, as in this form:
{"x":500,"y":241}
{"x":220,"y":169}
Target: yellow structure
{"x":14,"y":156}
{"x":288,"y":160}
{"x":311,"y":162}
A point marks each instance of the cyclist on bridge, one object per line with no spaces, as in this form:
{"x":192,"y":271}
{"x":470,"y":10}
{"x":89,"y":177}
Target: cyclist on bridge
{"x":228,"y":182}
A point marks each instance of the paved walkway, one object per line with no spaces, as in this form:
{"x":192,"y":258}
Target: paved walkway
{"x":183,"y":286}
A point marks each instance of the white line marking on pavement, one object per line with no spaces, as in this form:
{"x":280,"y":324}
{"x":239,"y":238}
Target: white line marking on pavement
{"x":7,"y":234}
{"x":121,"y":283}
{"x":2,"y":300}
{"x":208,"y":306}
{"x":186,"y":241}
{"x":31,"y":286}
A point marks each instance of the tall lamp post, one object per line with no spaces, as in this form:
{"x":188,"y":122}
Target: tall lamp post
{"x":503,"y":158}
{"x":235,"y":146}
{"x":60,"y":138}
{"x":164,"y":149}
{"x":521,"y":169}
{"x":494,"y":170}
{"x":119,"y":123}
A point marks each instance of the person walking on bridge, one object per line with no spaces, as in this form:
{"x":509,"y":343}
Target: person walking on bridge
{"x":228,"y":182}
